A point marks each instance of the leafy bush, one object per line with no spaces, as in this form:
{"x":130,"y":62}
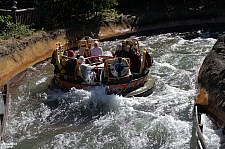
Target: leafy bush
{"x":10,"y":29}
{"x":3,"y":22}
{"x":112,"y":13}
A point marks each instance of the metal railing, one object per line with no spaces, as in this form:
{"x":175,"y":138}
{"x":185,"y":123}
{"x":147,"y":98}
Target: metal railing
{"x":199,"y":129}
{"x":3,"y":116}
{"x":29,"y":16}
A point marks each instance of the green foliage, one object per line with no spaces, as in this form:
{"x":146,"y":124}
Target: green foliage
{"x":5,"y":19}
{"x":67,"y":13}
{"x":3,"y":22}
{"x":11,"y":29}
{"x":64,"y":12}
{"x":111,"y":14}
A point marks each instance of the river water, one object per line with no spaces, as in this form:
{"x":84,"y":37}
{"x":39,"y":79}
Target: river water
{"x":40,"y":116}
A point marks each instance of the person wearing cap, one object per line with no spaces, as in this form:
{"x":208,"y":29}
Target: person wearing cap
{"x":96,"y":51}
{"x":119,"y":51}
{"x":15,"y":5}
{"x":70,"y":53}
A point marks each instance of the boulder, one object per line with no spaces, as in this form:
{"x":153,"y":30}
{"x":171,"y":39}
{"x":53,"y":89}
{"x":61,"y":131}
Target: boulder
{"x":211,"y":80}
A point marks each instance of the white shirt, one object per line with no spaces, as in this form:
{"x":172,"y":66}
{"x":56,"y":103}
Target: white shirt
{"x":96,"y":51}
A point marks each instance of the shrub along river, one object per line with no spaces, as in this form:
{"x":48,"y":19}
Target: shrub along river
{"x":41,"y":117}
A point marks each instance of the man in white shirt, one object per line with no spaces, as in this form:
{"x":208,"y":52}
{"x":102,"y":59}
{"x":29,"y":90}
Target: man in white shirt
{"x":96,"y":51}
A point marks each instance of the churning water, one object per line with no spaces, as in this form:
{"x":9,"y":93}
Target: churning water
{"x":42,"y":117}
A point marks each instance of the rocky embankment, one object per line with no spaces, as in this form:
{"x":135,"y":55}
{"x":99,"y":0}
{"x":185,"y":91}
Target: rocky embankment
{"x":211,"y":79}
{"x":18,"y":53}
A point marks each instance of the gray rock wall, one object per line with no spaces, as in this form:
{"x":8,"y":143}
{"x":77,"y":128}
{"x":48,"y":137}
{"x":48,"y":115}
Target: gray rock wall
{"x":211,"y":81}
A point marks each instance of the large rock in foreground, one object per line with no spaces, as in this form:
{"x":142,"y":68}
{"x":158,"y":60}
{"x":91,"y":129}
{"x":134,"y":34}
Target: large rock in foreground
{"x":211,"y":81}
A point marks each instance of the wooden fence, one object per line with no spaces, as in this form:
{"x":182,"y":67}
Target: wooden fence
{"x":29,"y":16}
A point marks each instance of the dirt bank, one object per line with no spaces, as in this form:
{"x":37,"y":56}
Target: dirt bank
{"x":17,"y":54}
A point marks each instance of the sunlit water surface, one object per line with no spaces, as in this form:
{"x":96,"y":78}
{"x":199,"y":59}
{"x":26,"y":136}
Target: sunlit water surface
{"x":41,"y":117}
